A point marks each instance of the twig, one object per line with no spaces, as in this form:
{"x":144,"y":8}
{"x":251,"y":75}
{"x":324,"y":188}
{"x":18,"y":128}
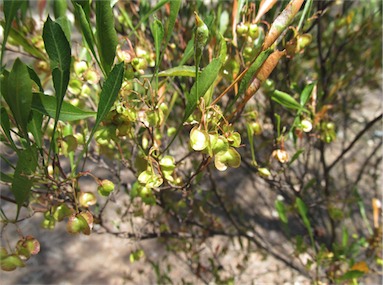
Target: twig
{"x":357,"y":137}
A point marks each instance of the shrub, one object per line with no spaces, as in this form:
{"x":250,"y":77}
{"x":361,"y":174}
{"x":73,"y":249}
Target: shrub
{"x":177,"y":94}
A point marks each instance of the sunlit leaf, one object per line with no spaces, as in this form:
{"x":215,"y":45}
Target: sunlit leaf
{"x":286,"y":100}
{"x":47,"y":105}
{"x":205,"y":80}
{"x":106,"y":34}
{"x":86,"y":29}
{"x":306,"y":93}
{"x":158,"y":35}
{"x":34,"y":126}
{"x":108,"y":94}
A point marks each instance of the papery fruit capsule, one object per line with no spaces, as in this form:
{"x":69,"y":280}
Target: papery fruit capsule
{"x":199,"y":139}
{"x":281,"y":155}
{"x":229,"y":158}
{"x":306,"y":125}
{"x":87,"y":199}
{"x":256,"y":128}
{"x":11,"y":262}
{"x":106,"y":187}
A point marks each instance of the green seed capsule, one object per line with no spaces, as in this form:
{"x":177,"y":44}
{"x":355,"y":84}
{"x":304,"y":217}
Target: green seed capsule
{"x":201,"y":34}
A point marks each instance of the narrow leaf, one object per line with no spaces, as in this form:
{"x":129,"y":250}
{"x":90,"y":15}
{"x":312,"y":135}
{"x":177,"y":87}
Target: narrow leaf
{"x":153,"y":10}
{"x":106,"y":35}
{"x":174,"y":9}
{"x":295,"y":156}
{"x":56,"y":45}
{"x":5,"y":125}
{"x":86,"y":29}
{"x":184,"y":70}
{"x":58,"y":49}
{"x":352,"y":274}
{"x":189,"y":51}
{"x":46,"y":105}
{"x":306,"y":93}
{"x":109,"y":94}
{"x":10,"y":9}
{"x":22,"y":182}
{"x":250,"y":74}
{"x":18,"y":94}
{"x":19,"y":39}
{"x":5,"y":177}
{"x":281,"y":210}
{"x":286,"y":100}
{"x":33,"y":75}
{"x":205,"y":80}
{"x":34,"y":126}
{"x":158,"y":35}
{"x":302,"y":209}
{"x":65,"y":25}
{"x":60,"y":8}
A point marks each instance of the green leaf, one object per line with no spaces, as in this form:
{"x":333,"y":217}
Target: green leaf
{"x":158,"y":35}
{"x":56,"y":45}
{"x":5,"y":177}
{"x":143,"y":18}
{"x":34,"y":126}
{"x":184,"y":70}
{"x":306,"y":93}
{"x":250,"y":75}
{"x":296,"y":155}
{"x":86,"y":29}
{"x":17,"y":92}
{"x":60,"y":8}
{"x":10,"y":9}
{"x":302,"y":209}
{"x":46,"y":105}
{"x":106,"y":35}
{"x":189,"y":51}
{"x":352,"y":274}
{"x":6,"y":126}
{"x":281,"y":210}
{"x":58,"y":49}
{"x":22,"y":182}
{"x":27,"y":45}
{"x":286,"y":100}
{"x":205,"y":80}
{"x":33,"y":75}
{"x":65,"y":26}
{"x":85,"y":5}
{"x":174,"y":9}
{"x":254,"y":67}
{"x":108,"y":94}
